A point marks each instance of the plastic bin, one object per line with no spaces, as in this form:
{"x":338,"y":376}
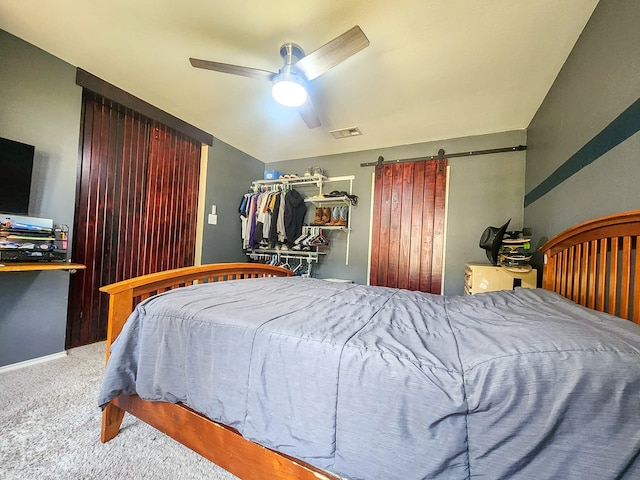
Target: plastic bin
{"x":272,"y":174}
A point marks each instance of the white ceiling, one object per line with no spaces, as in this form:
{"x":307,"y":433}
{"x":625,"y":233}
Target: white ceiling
{"x":434,"y":69}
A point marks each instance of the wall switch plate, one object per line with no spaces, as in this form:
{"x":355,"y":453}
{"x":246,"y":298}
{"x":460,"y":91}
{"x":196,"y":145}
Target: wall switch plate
{"x":213,"y":219}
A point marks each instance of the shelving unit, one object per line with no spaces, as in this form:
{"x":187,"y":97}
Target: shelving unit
{"x":318,"y":200}
{"x":30,"y":239}
{"x":317,"y":180}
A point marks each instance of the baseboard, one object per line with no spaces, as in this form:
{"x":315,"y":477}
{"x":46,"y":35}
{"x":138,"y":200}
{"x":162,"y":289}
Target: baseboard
{"x":33,"y":361}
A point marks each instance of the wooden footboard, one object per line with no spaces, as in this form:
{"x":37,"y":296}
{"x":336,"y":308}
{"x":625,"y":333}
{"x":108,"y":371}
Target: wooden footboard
{"x":214,"y":441}
{"x":125,"y":295}
{"x":596,"y":264}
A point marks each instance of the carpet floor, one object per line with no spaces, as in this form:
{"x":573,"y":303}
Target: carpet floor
{"x":50,"y":429}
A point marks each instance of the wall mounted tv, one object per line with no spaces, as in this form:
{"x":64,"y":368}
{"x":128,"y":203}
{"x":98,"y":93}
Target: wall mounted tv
{"x":16,"y":165}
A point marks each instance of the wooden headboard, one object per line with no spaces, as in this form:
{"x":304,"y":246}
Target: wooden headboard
{"x":596,"y":264}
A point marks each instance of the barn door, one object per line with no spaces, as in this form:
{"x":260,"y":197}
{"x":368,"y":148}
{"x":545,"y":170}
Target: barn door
{"x":408,"y":225}
{"x":136,"y":211}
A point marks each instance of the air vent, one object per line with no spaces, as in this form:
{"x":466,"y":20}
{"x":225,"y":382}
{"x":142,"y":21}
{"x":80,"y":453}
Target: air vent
{"x":346,"y":132}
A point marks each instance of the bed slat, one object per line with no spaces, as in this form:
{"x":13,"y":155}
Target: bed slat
{"x":591,"y":274}
{"x":574,"y":263}
{"x":612,"y":275}
{"x":563,"y":275}
{"x":625,"y":282}
{"x":635,"y":296}
{"x":584,"y":274}
{"x":601,"y":279}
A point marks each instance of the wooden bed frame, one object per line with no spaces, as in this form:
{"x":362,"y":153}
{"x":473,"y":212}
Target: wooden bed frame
{"x":594,"y":264}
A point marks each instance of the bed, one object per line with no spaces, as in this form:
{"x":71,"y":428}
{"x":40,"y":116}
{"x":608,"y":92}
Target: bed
{"x":347,"y":381}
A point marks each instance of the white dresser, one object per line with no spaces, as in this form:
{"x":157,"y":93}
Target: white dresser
{"x":480,"y":278}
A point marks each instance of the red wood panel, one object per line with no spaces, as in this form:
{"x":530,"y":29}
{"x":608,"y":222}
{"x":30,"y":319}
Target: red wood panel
{"x":81,"y":251}
{"x":136,"y":145}
{"x":408,"y":226}
{"x":417,"y":219}
{"x":136,"y":211}
{"x":376,"y":223}
{"x":395,"y":224}
{"x":426,"y":237}
{"x":438,"y":227}
{"x":385,"y":221}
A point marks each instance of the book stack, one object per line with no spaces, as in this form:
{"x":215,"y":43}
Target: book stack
{"x":515,"y":252}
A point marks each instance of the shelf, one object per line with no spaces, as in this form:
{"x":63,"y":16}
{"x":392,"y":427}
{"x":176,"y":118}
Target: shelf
{"x":40,"y":266}
{"x":317,"y":180}
{"x":308,"y":180}
{"x":15,"y":236}
{"x":329,"y":227}
{"x":328,"y":200}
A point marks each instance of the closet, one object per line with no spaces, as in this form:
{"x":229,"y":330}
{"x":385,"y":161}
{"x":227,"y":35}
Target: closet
{"x":290,"y":221}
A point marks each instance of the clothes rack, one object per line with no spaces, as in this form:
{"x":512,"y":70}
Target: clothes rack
{"x":282,"y":258}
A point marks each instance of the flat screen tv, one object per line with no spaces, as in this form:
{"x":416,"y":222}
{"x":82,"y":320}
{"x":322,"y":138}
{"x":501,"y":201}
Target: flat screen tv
{"x":16,"y":166}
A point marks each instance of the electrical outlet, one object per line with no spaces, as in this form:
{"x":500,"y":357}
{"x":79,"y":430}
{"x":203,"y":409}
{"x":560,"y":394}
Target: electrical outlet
{"x":213,"y":219}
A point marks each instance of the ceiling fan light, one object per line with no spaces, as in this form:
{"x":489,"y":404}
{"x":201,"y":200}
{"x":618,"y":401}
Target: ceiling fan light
{"x":288,"y":90}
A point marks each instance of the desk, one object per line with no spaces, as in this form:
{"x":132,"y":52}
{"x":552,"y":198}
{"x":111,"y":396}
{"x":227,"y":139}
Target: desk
{"x":40,"y":266}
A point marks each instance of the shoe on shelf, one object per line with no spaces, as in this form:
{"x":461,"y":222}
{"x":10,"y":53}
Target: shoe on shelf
{"x":335,"y":217}
{"x":318,"y":219}
{"x":344,"y":213}
{"x":326,"y":215}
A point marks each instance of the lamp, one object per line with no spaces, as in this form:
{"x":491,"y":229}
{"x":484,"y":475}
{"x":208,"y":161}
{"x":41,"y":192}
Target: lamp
{"x":288,"y":88}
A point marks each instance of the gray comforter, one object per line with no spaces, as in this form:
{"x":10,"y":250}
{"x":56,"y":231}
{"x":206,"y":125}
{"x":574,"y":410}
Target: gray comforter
{"x":380,"y":383}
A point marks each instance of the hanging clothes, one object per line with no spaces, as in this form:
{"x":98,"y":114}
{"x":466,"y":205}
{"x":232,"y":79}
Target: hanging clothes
{"x":243,"y":210}
{"x":294,"y":213}
{"x":280,"y":228}
{"x":262,"y":216}
{"x":273,"y":227}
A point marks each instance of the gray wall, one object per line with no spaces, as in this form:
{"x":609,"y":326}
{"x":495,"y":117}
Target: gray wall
{"x":599,"y":81}
{"x":39,"y":105}
{"x":483,"y":190}
{"x":229,"y":175}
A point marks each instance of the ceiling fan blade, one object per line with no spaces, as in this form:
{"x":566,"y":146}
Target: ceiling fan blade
{"x":233,"y":69}
{"x":332,"y":53}
{"x":309,"y":115}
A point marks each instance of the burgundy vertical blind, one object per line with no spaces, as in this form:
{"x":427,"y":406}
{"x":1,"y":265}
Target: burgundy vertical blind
{"x":136,"y":211}
{"x":408,"y":225}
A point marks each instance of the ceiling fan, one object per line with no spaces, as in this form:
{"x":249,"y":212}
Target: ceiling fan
{"x":289,"y":83}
